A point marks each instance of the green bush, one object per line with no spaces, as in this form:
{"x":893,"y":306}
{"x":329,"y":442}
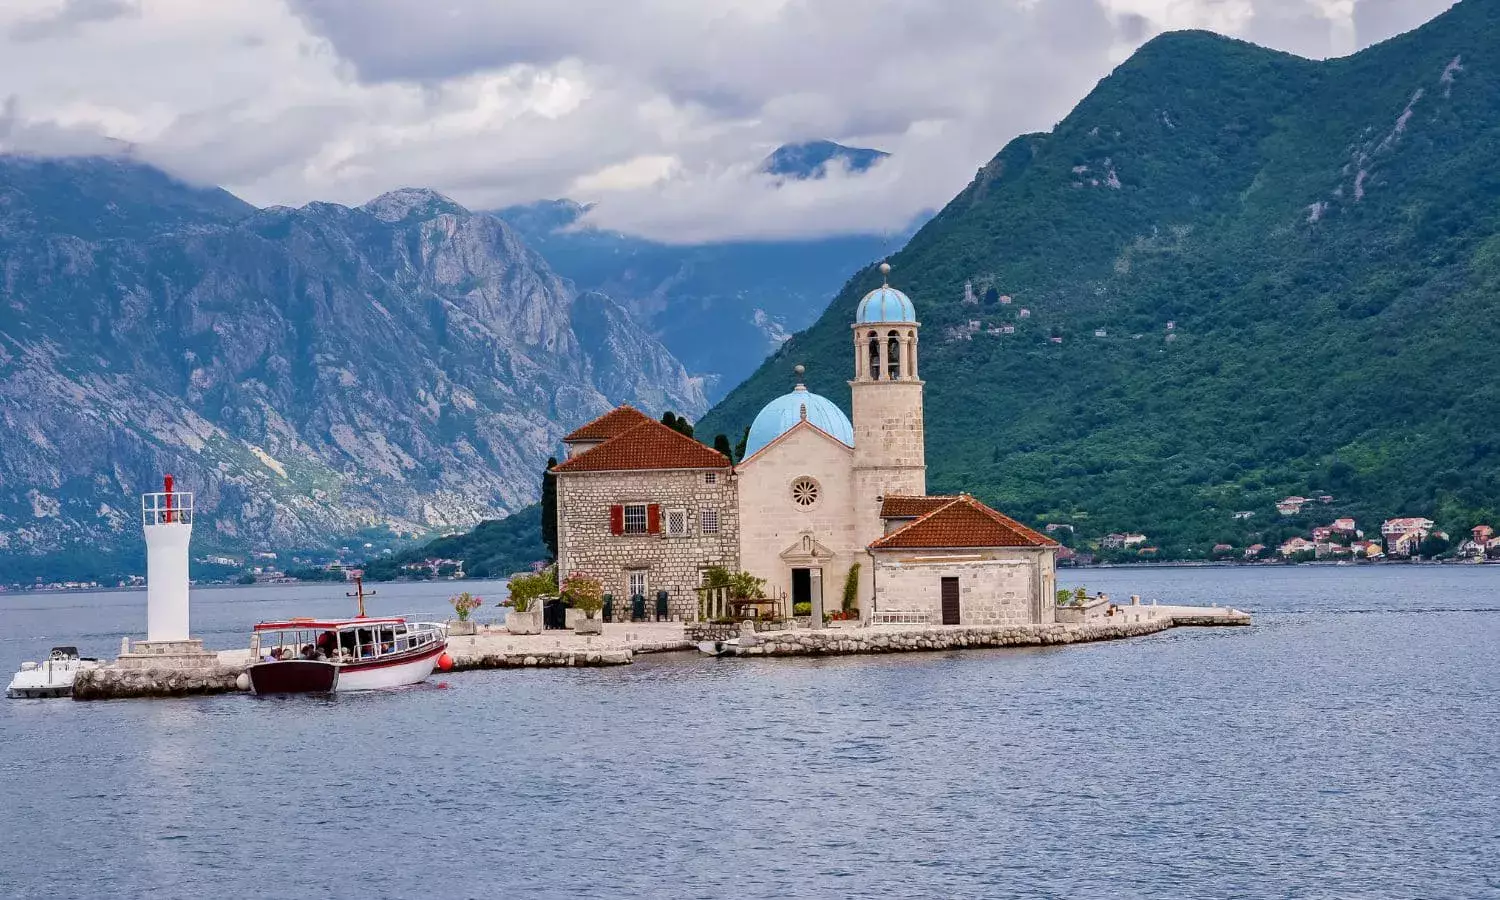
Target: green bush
{"x":851,"y":587}
{"x":526,"y":589}
{"x":801,"y":609}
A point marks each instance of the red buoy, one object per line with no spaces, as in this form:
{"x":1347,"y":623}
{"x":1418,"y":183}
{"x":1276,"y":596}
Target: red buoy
{"x":445,"y":663}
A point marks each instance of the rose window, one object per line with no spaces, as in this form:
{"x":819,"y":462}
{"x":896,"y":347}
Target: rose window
{"x":804,"y":492}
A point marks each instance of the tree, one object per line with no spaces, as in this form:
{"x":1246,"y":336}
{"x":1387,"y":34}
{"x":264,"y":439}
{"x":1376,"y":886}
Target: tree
{"x":851,"y":587}
{"x":549,"y":507}
{"x":739,"y":450}
{"x":677,"y":423}
{"x":721,"y":444}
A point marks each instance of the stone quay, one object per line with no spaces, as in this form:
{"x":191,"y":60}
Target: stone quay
{"x":918,"y":638}
{"x":492,"y":647}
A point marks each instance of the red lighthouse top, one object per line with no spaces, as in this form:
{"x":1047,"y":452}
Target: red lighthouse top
{"x":170,"y":506}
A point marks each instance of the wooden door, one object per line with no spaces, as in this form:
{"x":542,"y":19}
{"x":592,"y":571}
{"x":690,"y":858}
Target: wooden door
{"x":950,"y":601}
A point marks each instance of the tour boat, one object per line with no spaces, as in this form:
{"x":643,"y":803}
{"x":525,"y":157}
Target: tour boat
{"x":53,"y":678}
{"x":299,"y":656}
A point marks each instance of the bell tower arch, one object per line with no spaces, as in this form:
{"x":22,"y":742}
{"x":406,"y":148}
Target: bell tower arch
{"x":889,"y":444}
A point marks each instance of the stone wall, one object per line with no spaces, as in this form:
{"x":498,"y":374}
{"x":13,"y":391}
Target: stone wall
{"x":111,"y":683}
{"x":837,"y":641}
{"x":710,"y":631}
{"x":996,"y":586}
{"x":671,"y":563}
{"x":890,"y":457}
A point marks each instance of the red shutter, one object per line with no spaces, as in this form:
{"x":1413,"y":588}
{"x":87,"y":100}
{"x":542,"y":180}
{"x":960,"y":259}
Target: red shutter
{"x":653,"y":519}
{"x":617,"y":519}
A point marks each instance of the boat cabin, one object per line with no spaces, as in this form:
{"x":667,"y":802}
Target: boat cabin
{"x":340,"y":640}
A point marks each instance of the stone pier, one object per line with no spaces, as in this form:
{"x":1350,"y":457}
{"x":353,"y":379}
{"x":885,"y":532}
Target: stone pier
{"x":1126,"y":622}
{"x":496,"y":648}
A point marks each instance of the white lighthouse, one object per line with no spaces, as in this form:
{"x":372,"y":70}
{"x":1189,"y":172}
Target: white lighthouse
{"x":167,"y":517}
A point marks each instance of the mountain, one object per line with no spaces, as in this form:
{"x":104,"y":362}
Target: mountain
{"x":811,"y":159}
{"x":306,"y":372}
{"x":720,"y":308}
{"x":1247,"y":274}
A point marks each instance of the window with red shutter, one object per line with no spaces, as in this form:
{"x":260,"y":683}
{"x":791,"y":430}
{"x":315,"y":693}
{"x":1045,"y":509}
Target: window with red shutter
{"x":653,"y":519}
{"x":617,"y":519}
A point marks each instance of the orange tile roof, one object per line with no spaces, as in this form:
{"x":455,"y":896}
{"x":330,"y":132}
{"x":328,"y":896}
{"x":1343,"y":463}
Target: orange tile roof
{"x":615,"y":422}
{"x":962,"y":522}
{"x":908,"y":507}
{"x":647,"y":445}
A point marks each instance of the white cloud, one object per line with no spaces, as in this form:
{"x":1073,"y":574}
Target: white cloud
{"x":658,"y":109}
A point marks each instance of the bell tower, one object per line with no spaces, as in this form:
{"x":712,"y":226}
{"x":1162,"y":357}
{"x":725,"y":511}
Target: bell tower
{"x":889,"y":446}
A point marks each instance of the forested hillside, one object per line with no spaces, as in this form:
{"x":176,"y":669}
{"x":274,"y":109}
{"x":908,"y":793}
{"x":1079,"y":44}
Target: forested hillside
{"x":1233,"y":275}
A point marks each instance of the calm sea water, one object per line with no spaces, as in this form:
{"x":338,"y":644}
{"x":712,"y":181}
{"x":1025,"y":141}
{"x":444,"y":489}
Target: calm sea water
{"x":1348,"y":745}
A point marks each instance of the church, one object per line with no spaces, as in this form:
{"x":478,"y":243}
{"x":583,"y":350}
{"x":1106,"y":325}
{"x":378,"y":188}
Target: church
{"x":819,"y":501}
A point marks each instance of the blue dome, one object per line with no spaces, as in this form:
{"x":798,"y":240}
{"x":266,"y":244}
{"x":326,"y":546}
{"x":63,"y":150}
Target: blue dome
{"x":782,"y":415}
{"x":886,"y":304}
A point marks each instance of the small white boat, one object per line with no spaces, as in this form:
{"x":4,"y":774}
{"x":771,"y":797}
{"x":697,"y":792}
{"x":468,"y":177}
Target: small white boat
{"x":53,"y":678}
{"x":718,"y":648}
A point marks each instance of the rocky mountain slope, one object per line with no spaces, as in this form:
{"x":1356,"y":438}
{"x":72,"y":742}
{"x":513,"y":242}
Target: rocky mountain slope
{"x":307,"y":372}
{"x":1244,"y":275}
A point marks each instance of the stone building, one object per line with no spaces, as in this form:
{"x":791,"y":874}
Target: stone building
{"x":818,"y":504}
{"x":644,"y":509}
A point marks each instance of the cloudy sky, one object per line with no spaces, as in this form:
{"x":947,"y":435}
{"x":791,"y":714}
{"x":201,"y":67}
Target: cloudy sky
{"x":659,"y":110}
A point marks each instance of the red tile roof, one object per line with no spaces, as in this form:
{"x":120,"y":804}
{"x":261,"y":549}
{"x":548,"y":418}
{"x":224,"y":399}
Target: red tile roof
{"x":908,"y":507}
{"x":615,"y":422}
{"x":647,"y":445}
{"x":962,"y":522}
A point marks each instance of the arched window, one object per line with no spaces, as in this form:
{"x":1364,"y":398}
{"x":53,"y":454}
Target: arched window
{"x":874,"y":356}
{"x":894,"y":363}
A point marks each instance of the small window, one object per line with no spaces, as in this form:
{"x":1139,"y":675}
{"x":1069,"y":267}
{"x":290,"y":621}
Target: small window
{"x":677,"y":522}
{"x":635,"y":518}
{"x":711,"y":478}
{"x":708,"y":520}
{"x":804,"y":492}
{"x":635,"y":580}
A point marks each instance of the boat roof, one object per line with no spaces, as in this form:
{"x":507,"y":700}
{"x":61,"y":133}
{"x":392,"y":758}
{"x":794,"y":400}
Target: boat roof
{"x":328,"y":624}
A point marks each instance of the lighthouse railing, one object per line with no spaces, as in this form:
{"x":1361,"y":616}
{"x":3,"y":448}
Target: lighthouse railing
{"x":163,"y":508}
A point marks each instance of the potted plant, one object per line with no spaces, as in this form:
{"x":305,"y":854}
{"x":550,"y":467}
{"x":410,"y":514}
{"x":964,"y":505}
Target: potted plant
{"x":526,"y":593}
{"x":585,"y":594}
{"x":463,"y":605}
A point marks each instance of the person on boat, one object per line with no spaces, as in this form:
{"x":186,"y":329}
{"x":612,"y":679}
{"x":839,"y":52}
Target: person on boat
{"x":327,"y":641}
{"x":310,"y":652}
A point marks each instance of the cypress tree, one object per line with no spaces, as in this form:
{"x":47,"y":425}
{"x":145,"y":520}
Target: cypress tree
{"x":721,"y":444}
{"x":739,"y":450}
{"x":549,"y":507}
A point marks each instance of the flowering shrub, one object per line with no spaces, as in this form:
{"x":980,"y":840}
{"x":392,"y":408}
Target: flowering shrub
{"x":584,"y":593}
{"x":464,"y":604}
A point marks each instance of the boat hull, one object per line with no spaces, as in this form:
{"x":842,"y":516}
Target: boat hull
{"x":302,"y":676}
{"x":50,"y":679}
{"x":294,"y":676}
{"x":372,"y":676}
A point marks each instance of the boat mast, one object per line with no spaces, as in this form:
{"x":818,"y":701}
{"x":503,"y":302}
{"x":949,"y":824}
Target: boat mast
{"x":359,"y":593}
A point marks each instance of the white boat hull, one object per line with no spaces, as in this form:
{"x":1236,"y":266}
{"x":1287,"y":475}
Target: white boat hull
{"x":49,"y":679}
{"x":389,"y":675}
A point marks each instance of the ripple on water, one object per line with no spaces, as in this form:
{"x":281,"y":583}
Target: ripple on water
{"x":1344,"y":746}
